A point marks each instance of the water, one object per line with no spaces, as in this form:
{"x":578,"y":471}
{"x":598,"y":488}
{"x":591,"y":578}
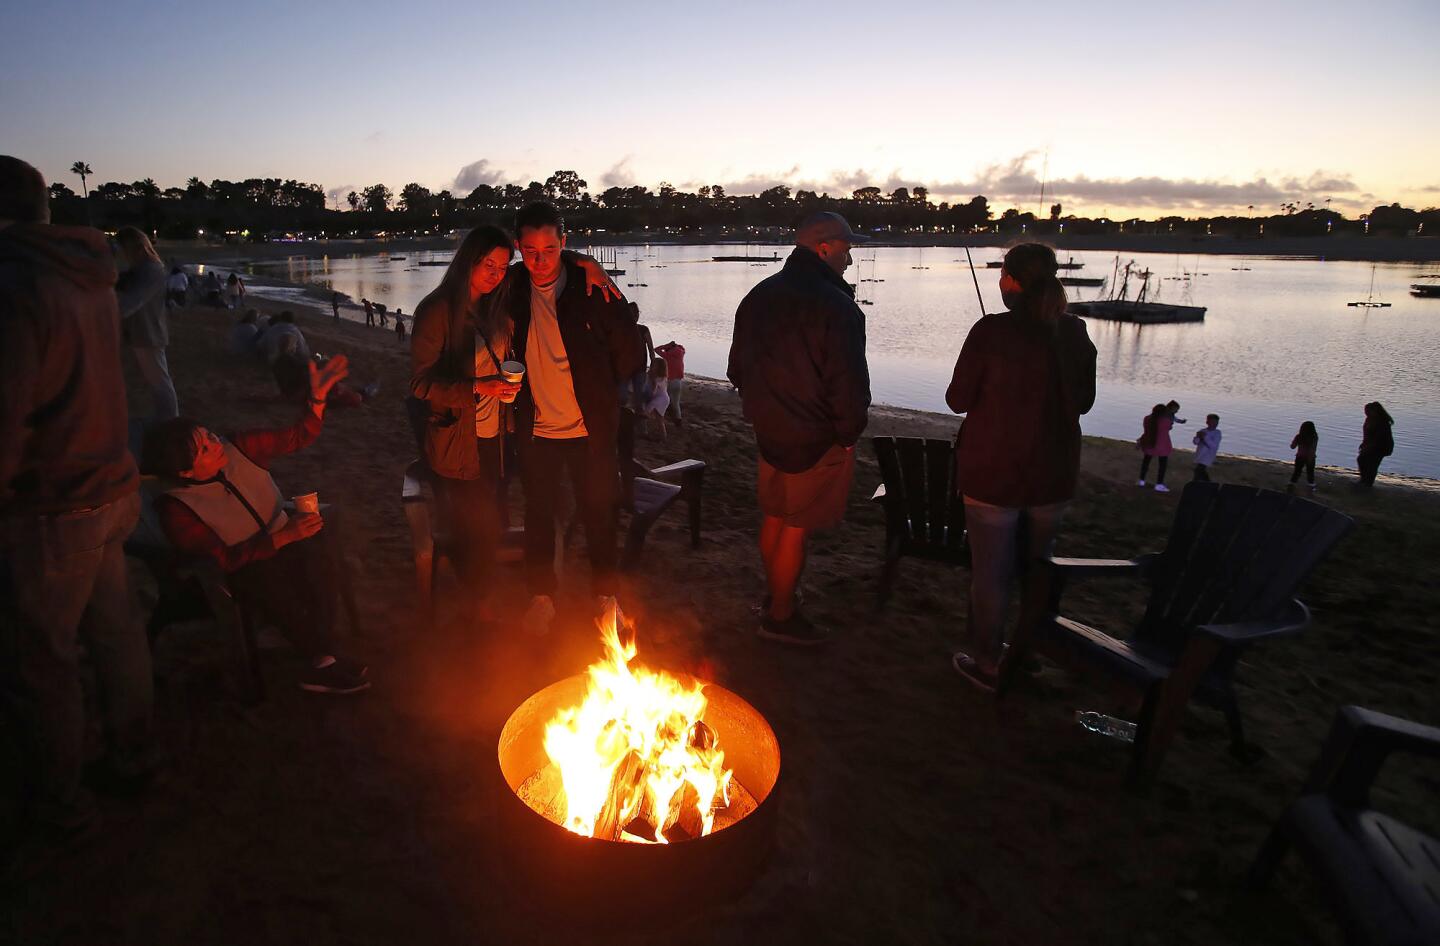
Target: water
{"x":1278,"y":345}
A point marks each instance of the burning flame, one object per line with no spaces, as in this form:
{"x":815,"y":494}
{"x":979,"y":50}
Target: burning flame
{"x":636,"y":756}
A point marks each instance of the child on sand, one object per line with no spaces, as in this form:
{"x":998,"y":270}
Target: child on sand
{"x":1305,"y":444}
{"x":1155,"y":442}
{"x":1207,"y":444}
{"x":657,"y":396}
{"x":399,"y":328}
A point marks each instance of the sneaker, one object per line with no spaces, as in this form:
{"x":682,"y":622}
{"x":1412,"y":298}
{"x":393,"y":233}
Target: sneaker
{"x":333,"y":678}
{"x":1161,"y":488}
{"x":541,"y":613}
{"x":796,"y":630}
{"x":1140,"y":483}
{"x":977,"y":674}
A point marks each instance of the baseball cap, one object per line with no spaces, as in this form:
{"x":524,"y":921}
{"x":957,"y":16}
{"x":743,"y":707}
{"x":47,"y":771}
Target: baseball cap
{"x":825,"y":227}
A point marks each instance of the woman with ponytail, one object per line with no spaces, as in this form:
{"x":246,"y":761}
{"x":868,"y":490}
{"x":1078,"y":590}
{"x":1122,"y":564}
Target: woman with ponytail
{"x":1023,"y":379}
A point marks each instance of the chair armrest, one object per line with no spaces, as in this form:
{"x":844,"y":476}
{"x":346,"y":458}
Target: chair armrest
{"x":1358,"y":744}
{"x":1138,"y":567}
{"x":680,"y":468}
{"x":1295,"y":619}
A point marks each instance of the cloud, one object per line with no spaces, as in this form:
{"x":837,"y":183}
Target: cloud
{"x":619,"y":174}
{"x":374,"y":137}
{"x":476,"y":173}
{"x":1016,"y":180}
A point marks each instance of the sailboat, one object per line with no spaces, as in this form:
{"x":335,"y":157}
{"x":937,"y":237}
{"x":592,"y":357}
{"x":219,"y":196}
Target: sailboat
{"x":1369,"y":302}
{"x":1120,"y":308}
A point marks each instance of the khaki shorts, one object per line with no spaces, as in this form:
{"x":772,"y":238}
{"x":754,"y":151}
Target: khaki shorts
{"x":814,"y":499}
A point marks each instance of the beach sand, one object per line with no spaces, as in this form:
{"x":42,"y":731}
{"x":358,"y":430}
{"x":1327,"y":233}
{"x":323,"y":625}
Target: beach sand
{"x":915,"y":810}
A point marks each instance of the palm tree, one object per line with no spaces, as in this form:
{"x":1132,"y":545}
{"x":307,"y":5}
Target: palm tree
{"x":82,"y":169}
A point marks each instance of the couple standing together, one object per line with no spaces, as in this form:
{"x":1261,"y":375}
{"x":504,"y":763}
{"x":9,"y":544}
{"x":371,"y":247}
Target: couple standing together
{"x":558,"y":314}
{"x":1023,"y":379}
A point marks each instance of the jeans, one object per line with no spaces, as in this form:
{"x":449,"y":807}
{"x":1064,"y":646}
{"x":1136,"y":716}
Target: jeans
{"x":1004,"y":540}
{"x":1160,"y":470}
{"x":472,"y":509}
{"x":296,"y":589}
{"x":596,"y":480}
{"x":63,"y":583}
{"x":1202,"y":473}
{"x":156,"y":372}
{"x":1307,"y":465}
{"x":677,"y":385}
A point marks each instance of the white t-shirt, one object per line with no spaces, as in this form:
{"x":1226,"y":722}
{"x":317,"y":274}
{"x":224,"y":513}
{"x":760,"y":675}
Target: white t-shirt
{"x":487,"y":409}
{"x":557,"y":412}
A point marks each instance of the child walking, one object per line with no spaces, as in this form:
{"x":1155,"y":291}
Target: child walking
{"x":1207,"y":445}
{"x":657,"y":396}
{"x":1304,"y":445}
{"x":1155,"y":442}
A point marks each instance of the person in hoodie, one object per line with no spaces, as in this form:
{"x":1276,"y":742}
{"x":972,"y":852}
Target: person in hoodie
{"x":141,"y":291}
{"x":69,"y":497}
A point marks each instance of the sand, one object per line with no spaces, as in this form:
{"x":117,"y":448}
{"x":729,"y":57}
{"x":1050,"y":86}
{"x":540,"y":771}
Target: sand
{"x":914,"y":810}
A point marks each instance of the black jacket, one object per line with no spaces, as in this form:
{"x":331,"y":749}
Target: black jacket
{"x":64,"y":427}
{"x":798,"y":359}
{"x":601,"y":341}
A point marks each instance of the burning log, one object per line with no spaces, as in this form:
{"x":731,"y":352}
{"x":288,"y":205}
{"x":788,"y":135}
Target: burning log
{"x":624,"y":797}
{"x":702,"y":737}
{"x":683,"y":822}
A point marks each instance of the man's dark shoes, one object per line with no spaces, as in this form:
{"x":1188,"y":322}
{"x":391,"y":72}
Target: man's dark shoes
{"x":337,"y":677}
{"x":795,"y":631}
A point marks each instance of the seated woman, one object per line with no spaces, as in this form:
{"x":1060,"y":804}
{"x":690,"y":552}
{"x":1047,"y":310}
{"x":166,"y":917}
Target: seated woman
{"x":222,"y":502}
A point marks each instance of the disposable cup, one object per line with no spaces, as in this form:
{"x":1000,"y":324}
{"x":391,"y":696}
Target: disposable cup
{"x":514,"y":372}
{"x":307,"y":504}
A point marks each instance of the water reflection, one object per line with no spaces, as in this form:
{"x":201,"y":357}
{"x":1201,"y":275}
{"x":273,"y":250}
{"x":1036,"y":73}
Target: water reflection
{"x":1278,"y":345}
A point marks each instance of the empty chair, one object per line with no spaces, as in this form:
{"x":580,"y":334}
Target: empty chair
{"x":924,"y":515}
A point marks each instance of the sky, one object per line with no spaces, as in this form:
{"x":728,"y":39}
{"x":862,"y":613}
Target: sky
{"x":1124,"y":109}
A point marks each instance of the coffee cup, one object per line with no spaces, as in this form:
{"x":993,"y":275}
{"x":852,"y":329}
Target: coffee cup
{"x":514,"y":372}
{"x":307,"y":504}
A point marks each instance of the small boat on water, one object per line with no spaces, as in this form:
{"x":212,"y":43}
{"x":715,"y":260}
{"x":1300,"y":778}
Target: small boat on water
{"x":396,"y":259}
{"x":746,"y":259}
{"x":994,"y":264}
{"x":1369,"y":302}
{"x":1425,"y":290}
{"x":433,"y":262}
{"x":1082,"y":280}
{"x":1140,"y":310}
{"x":1070,"y":264}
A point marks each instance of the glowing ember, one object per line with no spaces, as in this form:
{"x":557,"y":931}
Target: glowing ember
{"x":636,"y":760}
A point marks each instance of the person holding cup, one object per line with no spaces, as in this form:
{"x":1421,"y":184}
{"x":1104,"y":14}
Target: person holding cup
{"x":219,"y":500}
{"x":463,"y":378}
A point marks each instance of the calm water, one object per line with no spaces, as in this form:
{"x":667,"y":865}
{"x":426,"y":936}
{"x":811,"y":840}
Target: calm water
{"x":1278,"y":345}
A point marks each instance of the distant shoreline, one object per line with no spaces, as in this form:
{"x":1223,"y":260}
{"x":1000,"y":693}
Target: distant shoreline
{"x":1366,"y":249}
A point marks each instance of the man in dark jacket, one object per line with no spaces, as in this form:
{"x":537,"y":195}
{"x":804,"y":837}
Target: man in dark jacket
{"x":68,"y":500}
{"x":798,"y":360}
{"x":576,"y":348}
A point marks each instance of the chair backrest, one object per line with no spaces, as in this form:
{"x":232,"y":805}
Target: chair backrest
{"x":1235,"y":553}
{"x":920,"y":497}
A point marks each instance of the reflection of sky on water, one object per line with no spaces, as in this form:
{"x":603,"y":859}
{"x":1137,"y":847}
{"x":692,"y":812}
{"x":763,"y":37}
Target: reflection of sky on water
{"x":1278,"y":345}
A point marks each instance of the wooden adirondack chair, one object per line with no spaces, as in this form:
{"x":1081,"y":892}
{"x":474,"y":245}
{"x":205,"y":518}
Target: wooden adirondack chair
{"x":924,"y":516}
{"x":1381,"y":876}
{"x":646,"y":493}
{"x":1225,"y":581}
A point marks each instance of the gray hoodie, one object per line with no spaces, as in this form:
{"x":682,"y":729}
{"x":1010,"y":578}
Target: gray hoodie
{"x":141,"y":291}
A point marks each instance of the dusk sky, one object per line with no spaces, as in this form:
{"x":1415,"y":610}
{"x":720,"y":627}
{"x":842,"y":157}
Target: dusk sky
{"x":1130,"y":108}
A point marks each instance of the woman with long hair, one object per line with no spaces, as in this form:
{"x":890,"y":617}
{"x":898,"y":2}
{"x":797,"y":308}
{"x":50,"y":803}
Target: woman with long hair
{"x":1377,"y":442}
{"x":461,"y":333}
{"x":1305,"y":443}
{"x":1155,"y":442}
{"x":1023,"y":379}
{"x":141,"y":294}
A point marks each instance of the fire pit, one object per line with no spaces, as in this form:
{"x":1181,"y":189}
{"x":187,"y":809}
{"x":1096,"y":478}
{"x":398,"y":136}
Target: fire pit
{"x":629,"y":785}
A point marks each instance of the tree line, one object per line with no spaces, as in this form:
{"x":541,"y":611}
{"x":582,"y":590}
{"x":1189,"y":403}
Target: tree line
{"x":267,"y":208}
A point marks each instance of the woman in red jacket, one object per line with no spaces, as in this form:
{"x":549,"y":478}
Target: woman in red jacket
{"x":1023,"y":379}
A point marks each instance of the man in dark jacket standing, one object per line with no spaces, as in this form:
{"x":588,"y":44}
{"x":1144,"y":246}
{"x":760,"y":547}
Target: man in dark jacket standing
{"x":576,"y":348}
{"x":68,"y":500}
{"x":798,"y":360}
